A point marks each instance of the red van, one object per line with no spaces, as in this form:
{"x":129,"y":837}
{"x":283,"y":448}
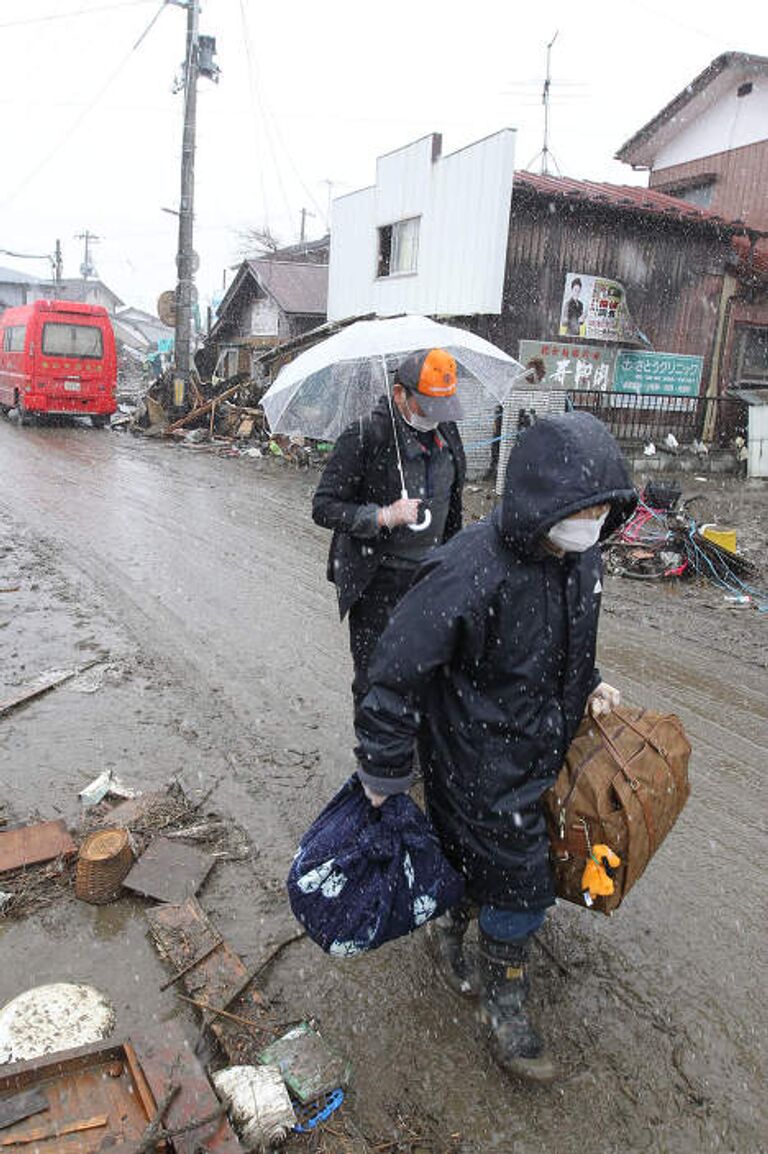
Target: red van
{"x":58,"y":357}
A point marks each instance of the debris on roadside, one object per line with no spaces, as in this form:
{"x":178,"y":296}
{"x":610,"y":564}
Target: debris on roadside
{"x":258,"y":1104}
{"x":169,"y":871}
{"x":43,"y":684}
{"x":106,"y":784}
{"x":53,"y":1017}
{"x":308,"y":1065}
{"x":103,"y":862}
{"x":213,"y":975}
{"x":32,"y":844}
{"x":109,"y":1078}
{"x":662,"y":540}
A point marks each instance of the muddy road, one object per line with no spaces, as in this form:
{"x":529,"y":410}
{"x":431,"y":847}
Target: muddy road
{"x":201,"y":582}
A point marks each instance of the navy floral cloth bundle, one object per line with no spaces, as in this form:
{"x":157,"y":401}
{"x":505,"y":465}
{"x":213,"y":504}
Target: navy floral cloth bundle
{"x":363,"y":875}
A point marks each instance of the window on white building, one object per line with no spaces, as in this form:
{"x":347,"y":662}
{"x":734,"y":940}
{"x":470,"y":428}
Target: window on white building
{"x":399,"y":247}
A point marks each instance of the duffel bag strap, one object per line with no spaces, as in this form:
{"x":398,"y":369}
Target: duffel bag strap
{"x":621,"y":760}
{"x":634,"y":785}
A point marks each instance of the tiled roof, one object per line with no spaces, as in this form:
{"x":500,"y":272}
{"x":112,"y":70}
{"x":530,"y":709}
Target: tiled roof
{"x":622,"y":197}
{"x":297,"y":288}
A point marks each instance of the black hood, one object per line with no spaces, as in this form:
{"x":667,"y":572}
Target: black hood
{"x":560,"y":465}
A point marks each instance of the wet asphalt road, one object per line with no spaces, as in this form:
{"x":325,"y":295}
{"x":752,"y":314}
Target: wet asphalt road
{"x":210,"y":572}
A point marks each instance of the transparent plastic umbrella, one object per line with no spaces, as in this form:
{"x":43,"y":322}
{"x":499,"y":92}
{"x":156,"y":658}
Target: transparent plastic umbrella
{"x":340,"y":379}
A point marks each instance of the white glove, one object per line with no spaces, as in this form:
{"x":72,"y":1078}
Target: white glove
{"x":603,"y":700}
{"x":402,"y":512}
{"x":376,"y":799}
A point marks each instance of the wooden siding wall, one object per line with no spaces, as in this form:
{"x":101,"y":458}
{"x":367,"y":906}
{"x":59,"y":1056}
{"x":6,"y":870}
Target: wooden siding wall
{"x":739,"y":192}
{"x":672,"y":272}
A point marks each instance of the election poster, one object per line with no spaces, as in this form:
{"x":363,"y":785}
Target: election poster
{"x":595,"y":308}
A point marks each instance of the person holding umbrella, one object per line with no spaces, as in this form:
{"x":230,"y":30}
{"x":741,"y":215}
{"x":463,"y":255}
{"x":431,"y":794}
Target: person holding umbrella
{"x":391,"y":492}
{"x":489,"y":661}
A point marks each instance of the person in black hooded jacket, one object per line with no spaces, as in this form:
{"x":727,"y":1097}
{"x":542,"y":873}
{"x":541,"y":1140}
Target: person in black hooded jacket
{"x":489,"y":660}
{"x":374,"y":554}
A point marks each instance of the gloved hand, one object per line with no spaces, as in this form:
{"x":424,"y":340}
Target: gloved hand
{"x":376,"y":799}
{"x":603,"y":700}
{"x":405,"y":511}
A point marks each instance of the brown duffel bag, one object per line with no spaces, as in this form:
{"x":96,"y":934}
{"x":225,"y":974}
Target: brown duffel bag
{"x":623,"y":784}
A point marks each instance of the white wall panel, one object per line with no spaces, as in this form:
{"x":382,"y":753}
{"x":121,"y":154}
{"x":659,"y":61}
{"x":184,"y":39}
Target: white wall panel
{"x":730,"y":122}
{"x":463,"y":201}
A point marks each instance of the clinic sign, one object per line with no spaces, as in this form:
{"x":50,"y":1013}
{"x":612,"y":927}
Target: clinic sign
{"x":657,"y":374}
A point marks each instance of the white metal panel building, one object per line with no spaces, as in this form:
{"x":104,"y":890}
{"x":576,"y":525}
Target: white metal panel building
{"x":429,"y":237}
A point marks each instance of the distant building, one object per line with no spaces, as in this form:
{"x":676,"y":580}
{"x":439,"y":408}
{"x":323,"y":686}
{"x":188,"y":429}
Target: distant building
{"x":18,"y":288}
{"x":272,"y":299}
{"x":90,"y":292}
{"x":709,"y":145}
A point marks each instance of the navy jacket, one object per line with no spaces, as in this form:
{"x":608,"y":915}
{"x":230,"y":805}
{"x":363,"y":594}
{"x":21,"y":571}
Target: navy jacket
{"x":490,"y":658}
{"x":361,"y":476}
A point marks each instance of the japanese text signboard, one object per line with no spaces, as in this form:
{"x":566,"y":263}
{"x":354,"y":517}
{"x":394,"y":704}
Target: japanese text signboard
{"x":569,"y":365}
{"x":657,"y":374}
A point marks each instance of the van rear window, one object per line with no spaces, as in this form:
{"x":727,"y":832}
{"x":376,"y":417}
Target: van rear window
{"x":60,"y":340}
{"x":13,"y":338}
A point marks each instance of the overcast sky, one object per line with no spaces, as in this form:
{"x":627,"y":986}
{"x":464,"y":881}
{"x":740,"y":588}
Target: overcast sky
{"x":308,"y":93}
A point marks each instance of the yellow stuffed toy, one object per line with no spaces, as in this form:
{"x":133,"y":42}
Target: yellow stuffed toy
{"x":599,"y":872}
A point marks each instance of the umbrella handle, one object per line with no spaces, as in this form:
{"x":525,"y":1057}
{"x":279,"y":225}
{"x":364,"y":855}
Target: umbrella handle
{"x":422,"y":525}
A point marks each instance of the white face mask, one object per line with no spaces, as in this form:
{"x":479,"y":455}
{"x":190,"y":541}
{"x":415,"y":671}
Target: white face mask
{"x":416,"y":421}
{"x":576,"y":535}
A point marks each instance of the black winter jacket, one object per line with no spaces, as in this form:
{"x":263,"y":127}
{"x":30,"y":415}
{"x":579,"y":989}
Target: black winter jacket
{"x":361,"y":476}
{"x":490,"y":658}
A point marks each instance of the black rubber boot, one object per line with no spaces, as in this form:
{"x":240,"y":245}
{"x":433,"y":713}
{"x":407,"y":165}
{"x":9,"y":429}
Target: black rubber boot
{"x":503,"y":993}
{"x":456,"y":964}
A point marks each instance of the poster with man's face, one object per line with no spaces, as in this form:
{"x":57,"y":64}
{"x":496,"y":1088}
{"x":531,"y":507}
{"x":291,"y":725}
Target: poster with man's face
{"x":595,"y":308}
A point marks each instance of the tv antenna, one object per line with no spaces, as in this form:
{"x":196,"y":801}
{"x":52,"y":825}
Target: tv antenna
{"x":546,"y":155}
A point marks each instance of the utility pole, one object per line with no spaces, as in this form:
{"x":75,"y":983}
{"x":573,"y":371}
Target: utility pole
{"x":303,"y":234}
{"x":198,"y":61}
{"x":87,"y":268}
{"x":58,"y":264}
{"x":185,"y":253}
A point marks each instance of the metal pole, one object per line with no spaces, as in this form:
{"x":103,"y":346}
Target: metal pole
{"x":547,"y":85}
{"x":185,"y":256}
{"x":57,"y":264}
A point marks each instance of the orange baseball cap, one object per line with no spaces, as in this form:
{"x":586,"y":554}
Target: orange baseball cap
{"x":431,"y":375}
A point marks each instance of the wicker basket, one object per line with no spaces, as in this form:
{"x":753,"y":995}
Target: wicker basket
{"x":104,"y":860}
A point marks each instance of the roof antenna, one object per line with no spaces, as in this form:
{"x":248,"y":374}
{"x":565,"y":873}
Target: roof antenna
{"x":546,"y":153}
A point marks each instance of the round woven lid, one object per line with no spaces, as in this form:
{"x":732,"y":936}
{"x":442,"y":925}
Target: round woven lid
{"x":105,"y":844}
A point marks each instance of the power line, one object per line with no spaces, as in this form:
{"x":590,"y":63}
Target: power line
{"x":266,"y":115}
{"x":75,"y":12}
{"x":86,"y":111}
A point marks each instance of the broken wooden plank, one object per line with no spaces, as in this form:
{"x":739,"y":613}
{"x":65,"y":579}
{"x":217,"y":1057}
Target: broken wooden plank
{"x":181,"y":933}
{"x":30,"y":844}
{"x":21,"y":1106}
{"x":44,"y":684}
{"x":43,"y":1134}
{"x":172,"y":1059}
{"x":201,"y":410}
{"x":169,"y":871}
